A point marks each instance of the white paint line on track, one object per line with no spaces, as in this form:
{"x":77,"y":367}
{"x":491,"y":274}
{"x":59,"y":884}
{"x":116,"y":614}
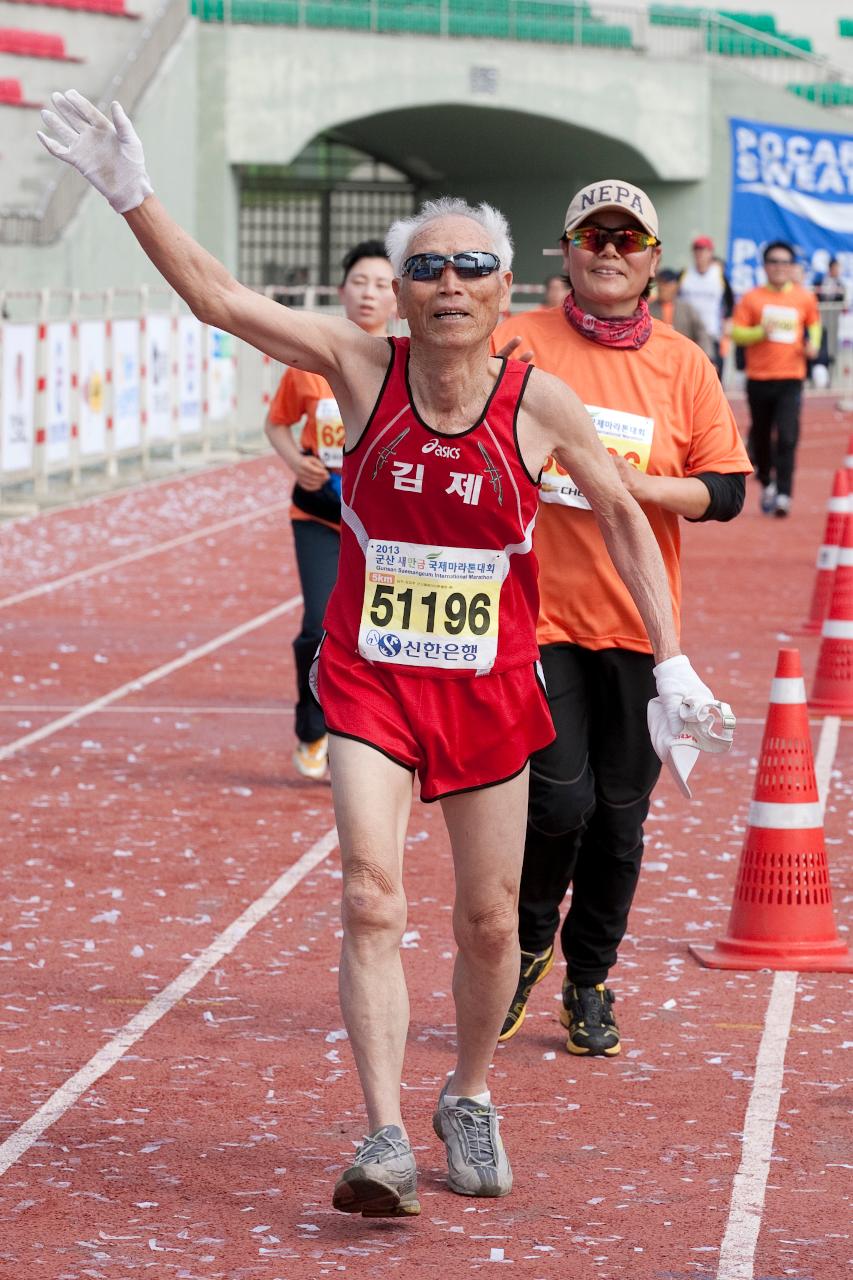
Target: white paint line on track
{"x":114,"y":1050}
{"x":153,"y":709}
{"x":737,"y":1252}
{"x":141,"y":682}
{"x":106,"y":566}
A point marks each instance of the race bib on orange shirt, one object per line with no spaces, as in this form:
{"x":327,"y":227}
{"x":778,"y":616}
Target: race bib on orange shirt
{"x":330,"y":434}
{"x":627,"y":434}
{"x":780,"y":324}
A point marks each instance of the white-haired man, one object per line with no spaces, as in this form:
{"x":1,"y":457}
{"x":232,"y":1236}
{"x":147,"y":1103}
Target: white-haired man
{"x":429,"y":661}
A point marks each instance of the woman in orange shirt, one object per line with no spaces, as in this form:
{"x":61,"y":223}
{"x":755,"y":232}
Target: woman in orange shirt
{"x":304,"y":403}
{"x":660,"y":411}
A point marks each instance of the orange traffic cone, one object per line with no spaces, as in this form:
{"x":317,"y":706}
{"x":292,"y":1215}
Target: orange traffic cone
{"x":832,"y":691}
{"x":781,"y":917}
{"x":827,"y":556}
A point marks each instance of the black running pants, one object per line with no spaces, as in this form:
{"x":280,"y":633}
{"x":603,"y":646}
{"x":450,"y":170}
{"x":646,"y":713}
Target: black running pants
{"x":589,"y":797}
{"x":317,"y":548}
{"x":774,"y":408}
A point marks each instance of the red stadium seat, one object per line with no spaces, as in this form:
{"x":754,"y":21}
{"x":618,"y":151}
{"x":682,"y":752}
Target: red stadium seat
{"x":11,"y":93}
{"x":113,"y":7}
{"x":32,"y":44}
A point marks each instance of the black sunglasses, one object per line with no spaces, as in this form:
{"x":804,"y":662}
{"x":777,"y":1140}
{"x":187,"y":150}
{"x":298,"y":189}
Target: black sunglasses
{"x":467,"y":265}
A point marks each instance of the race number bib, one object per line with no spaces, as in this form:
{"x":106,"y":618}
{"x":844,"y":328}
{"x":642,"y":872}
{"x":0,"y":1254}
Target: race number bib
{"x":780,"y":324}
{"x":431,"y":607}
{"x":627,"y":434}
{"x":330,"y":434}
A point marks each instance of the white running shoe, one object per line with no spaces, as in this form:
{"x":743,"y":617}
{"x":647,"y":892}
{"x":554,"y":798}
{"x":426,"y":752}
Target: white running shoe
{"x":312,"y":758}
{"x":477,"y":1164}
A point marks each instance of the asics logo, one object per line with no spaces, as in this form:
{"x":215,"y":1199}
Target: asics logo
{"x":441,"y":450}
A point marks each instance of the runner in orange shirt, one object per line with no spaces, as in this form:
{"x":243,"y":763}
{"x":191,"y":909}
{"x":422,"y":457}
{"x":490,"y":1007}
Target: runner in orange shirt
{"x":304,"y":402}
{"x":778,"y":324}
{"x":658,"y":406}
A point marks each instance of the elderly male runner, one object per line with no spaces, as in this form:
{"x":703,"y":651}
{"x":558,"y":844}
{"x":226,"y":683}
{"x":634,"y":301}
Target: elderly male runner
{"x":429,"y":664}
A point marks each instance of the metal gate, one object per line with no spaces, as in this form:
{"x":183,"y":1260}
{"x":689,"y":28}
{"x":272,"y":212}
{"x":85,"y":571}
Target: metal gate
{"x":298,"y":221}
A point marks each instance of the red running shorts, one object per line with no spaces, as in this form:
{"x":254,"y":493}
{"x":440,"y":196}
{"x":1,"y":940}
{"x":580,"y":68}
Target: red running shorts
{"x":458,"y":735}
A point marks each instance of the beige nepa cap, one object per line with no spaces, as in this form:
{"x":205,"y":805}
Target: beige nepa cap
{"x":612,"y":193}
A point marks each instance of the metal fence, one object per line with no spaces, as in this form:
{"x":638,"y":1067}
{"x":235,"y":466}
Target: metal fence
{"x":93,"y":382}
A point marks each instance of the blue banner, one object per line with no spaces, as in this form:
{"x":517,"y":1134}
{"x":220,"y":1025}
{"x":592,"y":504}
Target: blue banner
{"x":794,"y":185}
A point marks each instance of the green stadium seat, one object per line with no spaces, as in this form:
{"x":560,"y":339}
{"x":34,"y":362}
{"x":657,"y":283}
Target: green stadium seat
{"x":423,"y":17}
{"x":675,"y":15}
{"x":826,"y":94}
{"x":353,"y":15}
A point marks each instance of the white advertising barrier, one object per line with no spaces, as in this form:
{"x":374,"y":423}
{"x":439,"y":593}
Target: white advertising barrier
{"x":58,"y":402}
{"x":19,"y":378}
{"x":158,"y":327}
{"x":126,"y":385}
{"x":189,"y":375}
{"x":92,"y":377}
{"x":220,"y":374}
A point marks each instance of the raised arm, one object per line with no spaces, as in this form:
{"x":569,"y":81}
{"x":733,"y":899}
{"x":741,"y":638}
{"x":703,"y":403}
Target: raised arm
{"x":108,"y":153}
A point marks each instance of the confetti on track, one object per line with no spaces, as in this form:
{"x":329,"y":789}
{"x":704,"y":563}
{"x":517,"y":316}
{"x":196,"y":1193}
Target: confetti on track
{"x":135,"y":837}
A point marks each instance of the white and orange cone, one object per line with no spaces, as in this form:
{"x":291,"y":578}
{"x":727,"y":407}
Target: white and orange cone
{"x":832,"y":692}
{"x":827,"y":556}
{"x":781,"y":916}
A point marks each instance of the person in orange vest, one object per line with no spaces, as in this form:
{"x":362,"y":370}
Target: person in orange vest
{"x":660,"y":410}
{"x":778,"y":326}
{"x":304,"y":405}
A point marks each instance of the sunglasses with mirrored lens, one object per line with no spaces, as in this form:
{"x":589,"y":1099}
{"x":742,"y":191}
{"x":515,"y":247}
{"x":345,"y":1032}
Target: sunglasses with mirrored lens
{"x":468,"y":265}
{"x":629,"y":240}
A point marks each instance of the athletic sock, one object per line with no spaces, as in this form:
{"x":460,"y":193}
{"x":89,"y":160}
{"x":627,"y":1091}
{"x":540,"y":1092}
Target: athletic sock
{"x":453,"y":1099}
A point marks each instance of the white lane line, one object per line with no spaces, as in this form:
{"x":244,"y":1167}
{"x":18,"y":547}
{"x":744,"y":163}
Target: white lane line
{"x":152,"y":709}
{"x":141,"y":682}
{"x":106,"y":566}
{"x":222,"y":945}
{"x":737,"y":1252}
{"x":825,"y":756}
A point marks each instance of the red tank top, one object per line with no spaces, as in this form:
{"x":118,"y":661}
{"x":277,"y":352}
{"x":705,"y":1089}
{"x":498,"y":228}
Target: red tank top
{"x":437,"y":572}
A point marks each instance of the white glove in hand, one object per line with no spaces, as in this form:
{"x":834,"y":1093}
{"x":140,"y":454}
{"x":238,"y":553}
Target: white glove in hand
{"x":107,"y":153}
{"x":683,"y":719}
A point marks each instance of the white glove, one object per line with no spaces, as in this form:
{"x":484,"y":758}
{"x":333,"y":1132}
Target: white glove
{"x":108,"y":154}
{"x":684,"y":719}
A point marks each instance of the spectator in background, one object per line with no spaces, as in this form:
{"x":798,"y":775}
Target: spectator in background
{"x":304,"y":402}
{"x":556,"y":288}
{"x":705,"y":287}
{"x":668,"y":306}
{"x":778,"y":325}
{"x":831,"y":293}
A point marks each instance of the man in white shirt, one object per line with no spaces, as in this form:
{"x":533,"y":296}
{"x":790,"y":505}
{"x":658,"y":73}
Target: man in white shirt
{"x":706,"y":288}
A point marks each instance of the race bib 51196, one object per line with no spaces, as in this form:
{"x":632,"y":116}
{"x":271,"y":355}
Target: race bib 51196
{"x":430,"y":606}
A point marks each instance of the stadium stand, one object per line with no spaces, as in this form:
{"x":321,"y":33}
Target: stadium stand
{"x":34,"y":44}
{"x":114,"y":7}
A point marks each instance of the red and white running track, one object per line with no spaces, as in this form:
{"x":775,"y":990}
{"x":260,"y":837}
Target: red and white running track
{"x":176,"y":1090}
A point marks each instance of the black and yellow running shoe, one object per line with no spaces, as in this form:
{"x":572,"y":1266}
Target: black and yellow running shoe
{"x":534,"y":967}
{"x":587,"y":1016}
